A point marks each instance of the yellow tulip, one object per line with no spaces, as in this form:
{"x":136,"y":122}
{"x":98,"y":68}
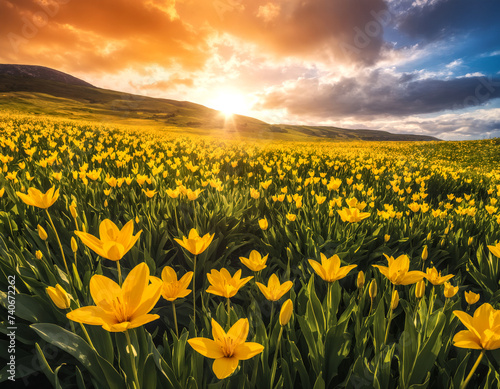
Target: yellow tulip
{"x":352,"y":215}
{"x":425,"y":253}
{"x":194,"y":243}
{"x":255,"y":261}
{"x":113,"y":243}
{"x":397,"y":271}
{"x":274,"y":290}
{"x":58,"y":296}
{"x":263,"y":224}
{"x":38,"y":254}
{"x":435,"y":278}
{"x":39,"y":199}
{"x":450,"y":290}
{"x":173,"y":288}
{"x":227,"y":348}
{"x":118,"y":308}
{"x":471,"y":297}
{"x":225,"y":285}
{"x":495,"y":250}
{"x":286,"y":312}
{"x":483,"y":329}
{"x":329,"y":269}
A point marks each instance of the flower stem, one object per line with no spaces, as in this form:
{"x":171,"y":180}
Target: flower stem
{"x":228,"y":325}
{"x":390,"y":318}
{"x":473,"y":370}
{"x":194,"y":291}
{"x":59,"y":242}
{"x":328,"y":304}
{"x":272,"y":315}
{"x":130,"y":349}
{"x":119,"y":272}
{"x":175,"y":319}
{"x":273,"y":369}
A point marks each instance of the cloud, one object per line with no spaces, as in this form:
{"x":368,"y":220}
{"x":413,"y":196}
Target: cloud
{"x":99,"y":36}
{"x":435,"y":20}
{"x":379,"y":93}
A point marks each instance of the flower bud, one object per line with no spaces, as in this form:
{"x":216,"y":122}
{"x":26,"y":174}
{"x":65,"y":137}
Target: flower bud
{"x":58,"y":296}
{"x":42,"y":233}
{"x":469,"y":241}
{"x":74,"y":245}
{"x":425,"y":253}
{"x":361,"y":279}
{"x":420,"y":289}
{"x":38,"y":254}
{"x":429,"y":236}
{"x":72,"y":209}
{"x":372,"y":290}
{"x":387,"y":237}
{"x":286,"y":312}
{"x":394,"y":300}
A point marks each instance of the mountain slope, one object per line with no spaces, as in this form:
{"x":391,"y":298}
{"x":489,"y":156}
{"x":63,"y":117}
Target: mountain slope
{"x":43,"y":91}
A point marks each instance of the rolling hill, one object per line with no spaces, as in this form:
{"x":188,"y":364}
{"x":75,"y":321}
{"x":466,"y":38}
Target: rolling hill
{"x":43,"y":91}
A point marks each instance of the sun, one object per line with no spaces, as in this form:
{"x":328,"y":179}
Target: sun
{"x":230,"y":103}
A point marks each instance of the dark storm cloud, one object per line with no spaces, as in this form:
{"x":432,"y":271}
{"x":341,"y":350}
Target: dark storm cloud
{"x":379,"y":94}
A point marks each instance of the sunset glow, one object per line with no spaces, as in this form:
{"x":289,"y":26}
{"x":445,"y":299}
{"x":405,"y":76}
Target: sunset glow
{"x":423,"y":67}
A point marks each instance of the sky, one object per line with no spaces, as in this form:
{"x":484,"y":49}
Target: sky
{"x":429,"y":67}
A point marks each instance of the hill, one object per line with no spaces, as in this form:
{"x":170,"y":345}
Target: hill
{"x":43,"y":91}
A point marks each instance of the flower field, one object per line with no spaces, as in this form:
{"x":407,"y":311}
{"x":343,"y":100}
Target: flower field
{"x":143,"y":259}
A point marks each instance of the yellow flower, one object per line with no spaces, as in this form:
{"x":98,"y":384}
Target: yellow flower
{"x":495,"y":250}
{"x":450,"y":290}
{"x":286,"y":312}
{"x":291,"y":217}
{"x":352,"y":215}
{"x":397,"y":271}
{"x":74,"y":245}
{"x":173,"y":288}
{"x":483,"y":329}
{"x":386,"y":238}
{"x":435,"y":278}
{"x":227,"y":348}
{"x":58,"y":296}
{"x":274,"y":290}
{"x":420,"y":289}
{"x":39,"y":199}
{"x":330,"y":269}
{"x":194,"y":243}
{"x":254,"y":193}
{"x":255,"y":261}
{"x":38,"y":254}
{"x":118,"y":308}
{"x":150,"y":193}
{"x":113,"y":243}
{"x":173,"y":193}
{"x":193,"y":194}
{"x":471,"y":297}
{"x":222,"y":284}
{"x":263,"y":223}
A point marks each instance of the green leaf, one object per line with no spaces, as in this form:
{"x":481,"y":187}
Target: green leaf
{"x":100,"y":369}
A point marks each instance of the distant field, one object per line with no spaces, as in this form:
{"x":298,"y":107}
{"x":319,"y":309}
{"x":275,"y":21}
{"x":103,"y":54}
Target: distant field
{"x":435,"y":202}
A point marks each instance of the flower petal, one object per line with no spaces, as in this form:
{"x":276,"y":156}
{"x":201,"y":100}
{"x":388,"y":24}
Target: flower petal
{"x":247,"y":350}
{"x":224,"y":367}
{"x":206,"y":347}
{"x":466,"y":339}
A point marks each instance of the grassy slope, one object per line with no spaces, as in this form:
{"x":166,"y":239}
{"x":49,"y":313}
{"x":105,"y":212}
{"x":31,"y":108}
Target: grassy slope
{"x":37,"y":96}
